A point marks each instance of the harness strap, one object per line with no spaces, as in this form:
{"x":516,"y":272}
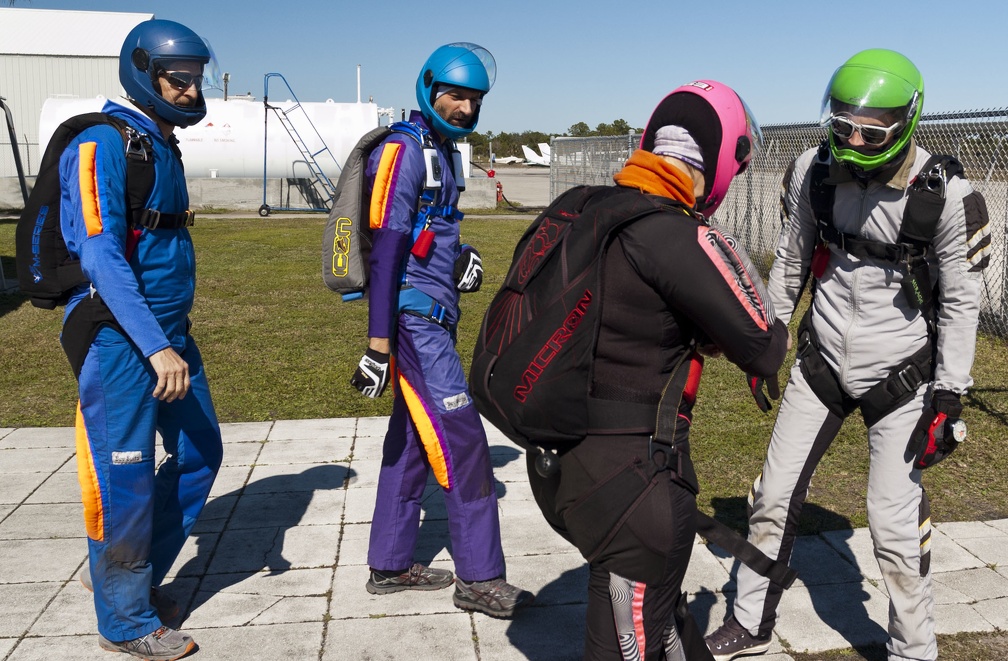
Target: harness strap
{"x":154,"y":219}
{"x":714,"y":531}
{"x":892,"y":392}
{"x":415,"y":302}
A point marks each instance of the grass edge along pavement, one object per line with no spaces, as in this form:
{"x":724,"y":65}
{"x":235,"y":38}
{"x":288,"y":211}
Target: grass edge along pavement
{"x":278,"y":345}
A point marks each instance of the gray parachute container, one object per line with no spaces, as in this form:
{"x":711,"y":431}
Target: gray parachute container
{"x":346,"y":239}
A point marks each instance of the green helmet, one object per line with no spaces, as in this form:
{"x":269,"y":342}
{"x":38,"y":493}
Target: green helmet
{"x":873,"y":80}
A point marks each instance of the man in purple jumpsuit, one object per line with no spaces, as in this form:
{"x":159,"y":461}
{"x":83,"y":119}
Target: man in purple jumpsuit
{"x":418,"y":268}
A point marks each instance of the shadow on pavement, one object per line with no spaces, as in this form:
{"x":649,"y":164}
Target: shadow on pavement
{"x":254,"y":520}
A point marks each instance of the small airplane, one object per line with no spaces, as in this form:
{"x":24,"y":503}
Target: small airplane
{"x":532,"y":158}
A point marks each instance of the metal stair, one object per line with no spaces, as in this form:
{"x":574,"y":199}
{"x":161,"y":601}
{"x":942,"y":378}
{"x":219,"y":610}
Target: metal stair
{"x":319,"y":190}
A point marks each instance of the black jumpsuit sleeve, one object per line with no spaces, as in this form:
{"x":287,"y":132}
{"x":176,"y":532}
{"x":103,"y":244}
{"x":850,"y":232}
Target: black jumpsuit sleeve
{"x":701,"y":272}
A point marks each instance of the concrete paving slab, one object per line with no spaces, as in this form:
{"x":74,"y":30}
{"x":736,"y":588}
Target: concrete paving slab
{"x":38,"y":437}
{"x":285,"y":478}
{"x":274,"y":641}
{"x":276,"y":549}
{"x":22,"y":603}
{"x":956,"y":618}
{"x":320,"y":451}
{"x":541,"y":633}
{"x":947,"y":555}
{"x":977,"y":584}
{"x":705,"y":572}
{"x":242,"y":454}
{"x":830,"y":616}
{"x":819,"y":563}
{"x":57,"y":488}
{"x":312,"y":430}
{"x":6,"y":645}
{"x":71,"y":613}
{"x":963,"y":530}
{"x":365,"y":472}
{"x":991,"y":550}
{"x":360,"y":502}
{"x":288,"y":509}
{"x":374,"y":427}
{"x":426,"y":636}
{"x":995,"y":611}
{"x":243,"y":432}
{"x":1000,"y":524}
{"x":35,"y":460}
{"x":17,"y":487}
{"x":230,"y":480}
{"x":857,"y":548}
{"x":51,"y":520}
{"x":19,"y":559}
{"x":68,"y":648}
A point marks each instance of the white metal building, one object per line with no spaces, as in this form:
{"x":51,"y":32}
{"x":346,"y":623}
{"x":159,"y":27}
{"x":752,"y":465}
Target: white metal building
{"x":54,"y":54}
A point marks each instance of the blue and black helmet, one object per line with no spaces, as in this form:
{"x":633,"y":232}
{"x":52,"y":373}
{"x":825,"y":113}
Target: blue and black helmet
{"x":460,"y":64}
{"x":147,"y":49}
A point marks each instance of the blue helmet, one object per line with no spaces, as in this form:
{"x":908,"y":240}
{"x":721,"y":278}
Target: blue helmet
{"x":460,"y":65}
{"x":147,"y":48}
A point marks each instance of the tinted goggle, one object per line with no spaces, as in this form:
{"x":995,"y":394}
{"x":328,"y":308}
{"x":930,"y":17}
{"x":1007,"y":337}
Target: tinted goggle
{"x":844,"y":127}
{"x":182,"y":80}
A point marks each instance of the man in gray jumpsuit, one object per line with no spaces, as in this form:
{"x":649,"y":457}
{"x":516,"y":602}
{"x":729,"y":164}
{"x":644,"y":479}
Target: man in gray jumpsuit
{"x":892,"y":330}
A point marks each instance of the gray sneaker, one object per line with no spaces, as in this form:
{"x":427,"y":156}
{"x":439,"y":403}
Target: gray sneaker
{"x":731,"y":640}
{"x":496,"y":597}
{"x":417,"y":577}
{"x":166,"y":607}
{"x":163,"y":645}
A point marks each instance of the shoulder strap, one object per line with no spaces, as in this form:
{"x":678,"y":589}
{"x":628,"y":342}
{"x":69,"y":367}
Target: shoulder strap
{"x":822,"y":194}
{"x":926,"y":198}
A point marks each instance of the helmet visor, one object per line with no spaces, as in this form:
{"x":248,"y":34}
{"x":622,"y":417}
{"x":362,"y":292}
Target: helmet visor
{"x":485,"y":58}
{"x":211,"y":71}
{"x":209,"y":78}
{"x":751,"y":144}
{"x":855,"y":91}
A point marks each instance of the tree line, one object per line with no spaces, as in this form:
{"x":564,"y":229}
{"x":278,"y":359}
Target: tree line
{"x":510,"y":144}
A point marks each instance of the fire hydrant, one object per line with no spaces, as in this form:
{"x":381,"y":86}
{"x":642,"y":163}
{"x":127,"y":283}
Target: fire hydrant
{"x":500,"y":193}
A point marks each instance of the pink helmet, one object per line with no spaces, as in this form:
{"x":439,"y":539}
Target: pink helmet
{"x":723,"y":127}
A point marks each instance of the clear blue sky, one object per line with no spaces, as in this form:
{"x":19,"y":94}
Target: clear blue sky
{"x":560,"y":63}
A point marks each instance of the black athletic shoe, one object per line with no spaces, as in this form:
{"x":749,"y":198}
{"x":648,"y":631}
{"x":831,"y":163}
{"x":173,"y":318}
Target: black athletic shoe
{"x":732,"y":640}
{"x":417,"y":577}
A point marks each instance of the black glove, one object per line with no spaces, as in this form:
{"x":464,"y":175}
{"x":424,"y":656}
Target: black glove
{"x":938,"y":432}
{"x":468,"y":270}
{"x":756,"y":384}
{"x":372,"y":374}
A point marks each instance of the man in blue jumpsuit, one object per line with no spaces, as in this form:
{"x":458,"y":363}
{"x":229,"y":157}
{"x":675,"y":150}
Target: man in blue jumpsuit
{"x":417,"y":270}
{"x":142,"y":372}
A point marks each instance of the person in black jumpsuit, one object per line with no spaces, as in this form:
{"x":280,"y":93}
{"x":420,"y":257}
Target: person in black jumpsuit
{"x":672,"y":285}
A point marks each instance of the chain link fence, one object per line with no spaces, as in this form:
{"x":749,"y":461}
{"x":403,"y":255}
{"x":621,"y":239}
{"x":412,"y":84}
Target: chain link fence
{"x":751,"y":210}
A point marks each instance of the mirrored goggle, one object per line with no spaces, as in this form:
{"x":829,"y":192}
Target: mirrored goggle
{"x":182,"y":80}
{"x":844,"y":127}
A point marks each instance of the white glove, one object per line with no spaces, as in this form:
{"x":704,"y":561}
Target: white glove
{"x":468,"y":270}
{"x":372,"y":374}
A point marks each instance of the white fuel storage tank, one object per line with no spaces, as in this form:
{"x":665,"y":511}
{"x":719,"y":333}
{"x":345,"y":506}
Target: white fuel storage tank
{"x":230,"y":142}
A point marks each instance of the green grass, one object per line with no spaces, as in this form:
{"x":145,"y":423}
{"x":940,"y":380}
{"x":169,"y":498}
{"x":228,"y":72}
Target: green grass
{"x":278,"y":345}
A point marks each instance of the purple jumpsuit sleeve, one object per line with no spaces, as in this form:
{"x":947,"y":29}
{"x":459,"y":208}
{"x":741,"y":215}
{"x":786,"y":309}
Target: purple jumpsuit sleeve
{"x":396,"y":182}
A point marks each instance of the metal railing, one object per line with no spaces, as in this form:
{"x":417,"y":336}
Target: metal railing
{"x":751,"y":210}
